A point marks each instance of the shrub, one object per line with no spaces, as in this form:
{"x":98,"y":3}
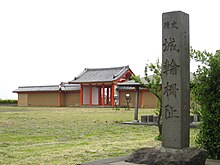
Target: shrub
{"x":206,"y":90}
{"x":8,"y":101}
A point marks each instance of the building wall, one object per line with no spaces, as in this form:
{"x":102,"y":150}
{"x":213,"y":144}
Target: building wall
{"x":22,"y":99}
{"x":122,"y":100}
{"x":71,"y":99}
{"x":49,"y":99}
{"x":149,"y":100}
{"x":43,"y":99}
{"x":146,"y":99}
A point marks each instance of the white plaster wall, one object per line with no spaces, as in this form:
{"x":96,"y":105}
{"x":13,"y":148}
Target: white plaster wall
{"x":95,"y":95}
{"x":117,"y":93}
{"x":86,"y":95}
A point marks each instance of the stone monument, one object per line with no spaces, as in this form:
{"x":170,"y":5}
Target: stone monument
{"x":175,"y":99}
{"x":175,"y":80}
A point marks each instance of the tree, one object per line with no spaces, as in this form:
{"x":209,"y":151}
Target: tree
{"x":155,"y":87}
{"x":206,"y":91}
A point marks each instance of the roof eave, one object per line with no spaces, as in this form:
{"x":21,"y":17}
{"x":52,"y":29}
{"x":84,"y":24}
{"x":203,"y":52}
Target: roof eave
{"x":86,"y":82}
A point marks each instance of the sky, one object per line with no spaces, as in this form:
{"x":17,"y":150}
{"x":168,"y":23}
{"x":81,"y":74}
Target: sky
{"x":45,"y":42}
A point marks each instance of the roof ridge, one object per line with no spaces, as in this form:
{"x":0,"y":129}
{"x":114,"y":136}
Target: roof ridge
{"x":107,"y":74}
{"x":97,"y":69}
{"x":106,"y":68}
{"x":37,"y":86}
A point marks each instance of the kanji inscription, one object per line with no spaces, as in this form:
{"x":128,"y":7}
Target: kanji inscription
{"x":170,"y":25}
{"x":170,"y":89}
{"x":170,"y":67}
{"x":170,"y":45}
{"x":170,"y":112}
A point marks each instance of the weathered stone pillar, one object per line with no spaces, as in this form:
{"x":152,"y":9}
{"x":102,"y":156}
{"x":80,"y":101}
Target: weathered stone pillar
{"x":175,"y":106}
{"x":175,"y":80}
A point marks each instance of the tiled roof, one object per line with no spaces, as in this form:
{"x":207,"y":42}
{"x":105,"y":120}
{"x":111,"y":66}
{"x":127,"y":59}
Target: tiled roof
{"x":100,"y":74}
{"x":130,"y":85}
{"x":48,"y":88}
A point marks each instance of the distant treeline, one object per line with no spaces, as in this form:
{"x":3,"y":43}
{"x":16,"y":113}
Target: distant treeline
{"x":8,"y":102}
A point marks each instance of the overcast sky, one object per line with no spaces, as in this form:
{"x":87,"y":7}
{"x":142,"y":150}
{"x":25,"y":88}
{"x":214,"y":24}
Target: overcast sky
{"x":45,"y":42}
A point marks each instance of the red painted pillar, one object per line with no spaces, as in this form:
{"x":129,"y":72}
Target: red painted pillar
{"x":103,"y":94}
{"x":90,"y":94}
{"x":112,"y":94}
{"x":100,"y":96}
{"x":81,"y":94}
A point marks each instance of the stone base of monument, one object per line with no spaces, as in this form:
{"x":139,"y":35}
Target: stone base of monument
{"x":168,"y":156}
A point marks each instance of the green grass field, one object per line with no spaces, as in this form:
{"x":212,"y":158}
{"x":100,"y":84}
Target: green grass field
{"x":33,"y":135}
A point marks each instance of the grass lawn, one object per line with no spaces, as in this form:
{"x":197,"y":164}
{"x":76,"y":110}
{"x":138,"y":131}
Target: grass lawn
{"x":33,"y":135}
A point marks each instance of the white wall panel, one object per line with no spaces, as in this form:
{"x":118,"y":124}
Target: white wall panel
{"x":86,"y":95}
{"x":95,"y":95}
